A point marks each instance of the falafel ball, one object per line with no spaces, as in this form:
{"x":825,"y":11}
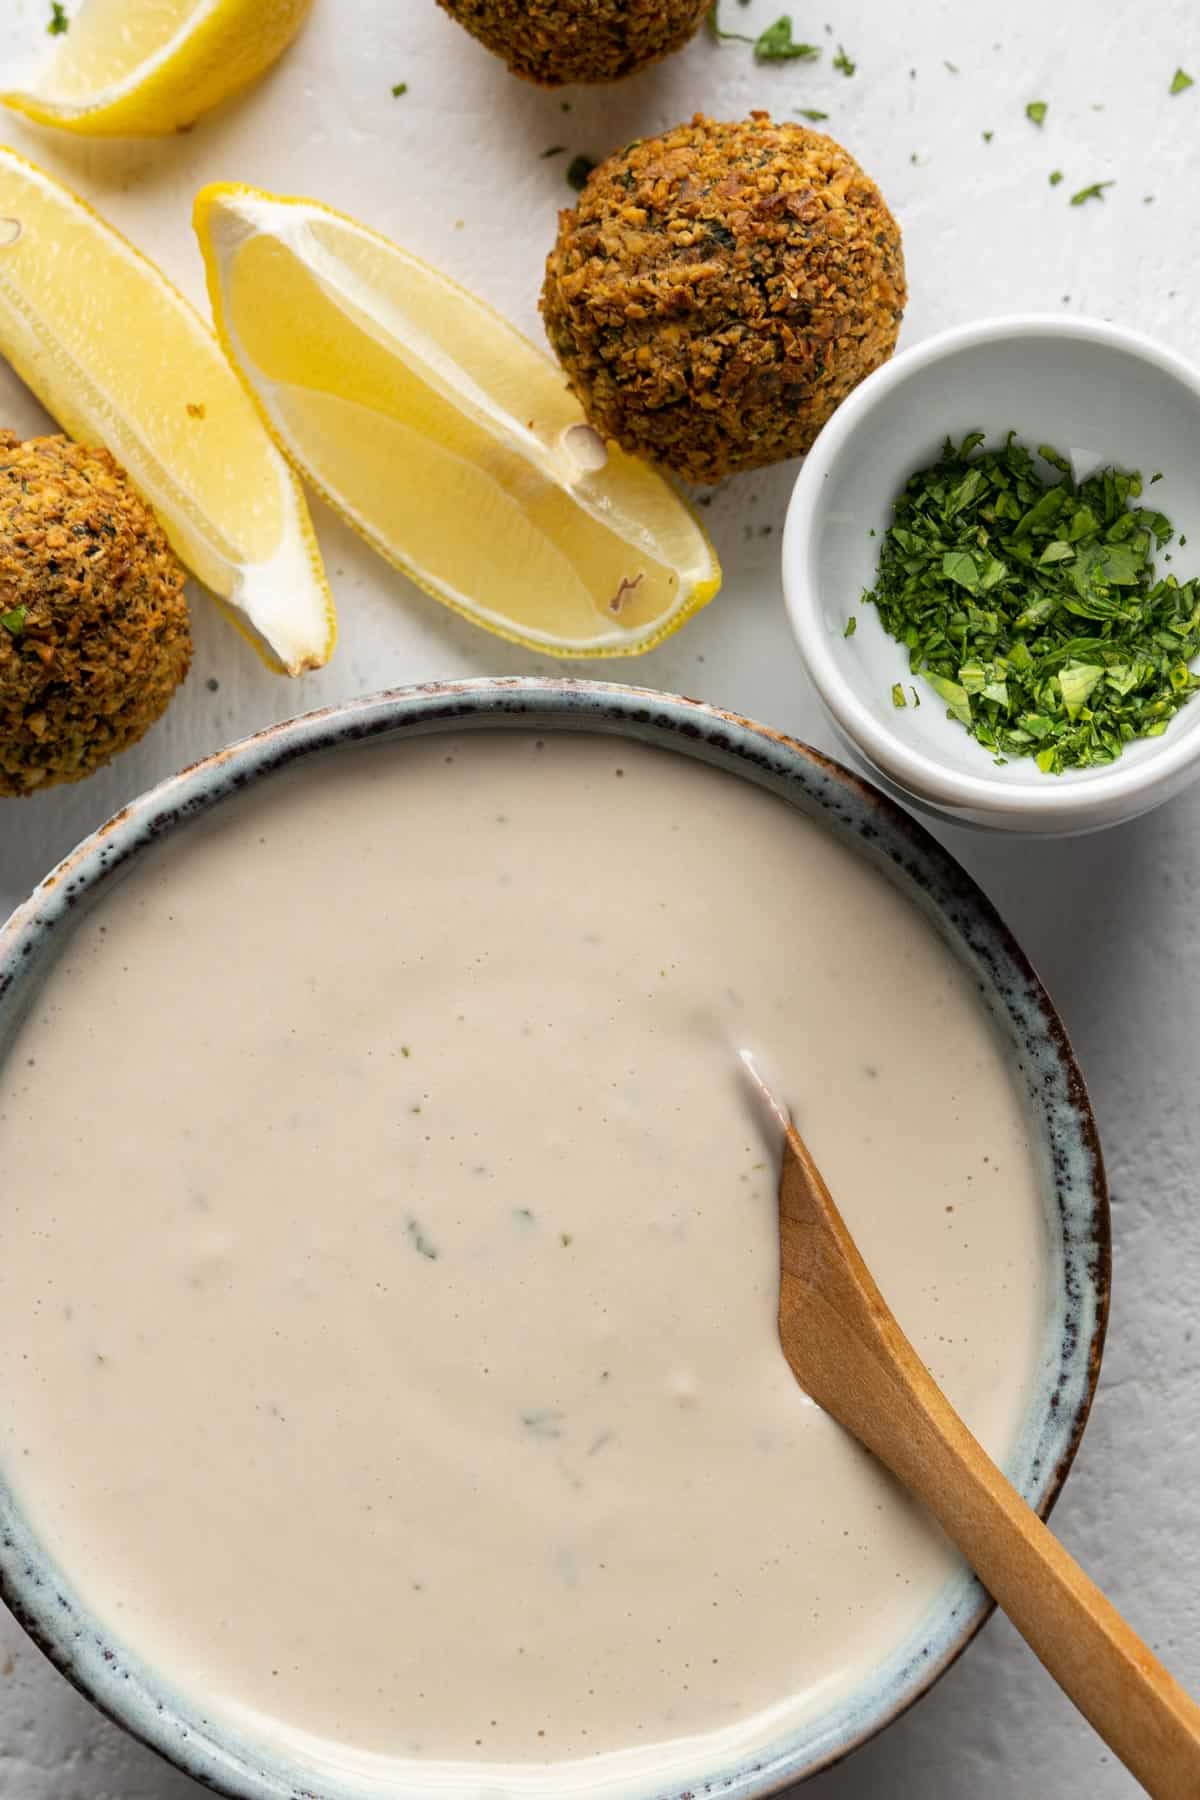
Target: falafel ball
{"x":94,"y":632}
{"x":716,"y":292}
{"x":557,"y":41}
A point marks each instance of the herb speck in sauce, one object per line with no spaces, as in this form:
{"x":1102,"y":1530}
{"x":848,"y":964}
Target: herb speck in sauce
{"x":544,"y":1422}
{"x":1030,"y":604}
{"x":420,"y":1243}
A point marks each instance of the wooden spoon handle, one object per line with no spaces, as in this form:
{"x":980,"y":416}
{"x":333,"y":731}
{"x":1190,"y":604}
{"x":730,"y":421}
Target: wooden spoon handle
{"x":1114,"y":1679}
{"x":893,"y":1406}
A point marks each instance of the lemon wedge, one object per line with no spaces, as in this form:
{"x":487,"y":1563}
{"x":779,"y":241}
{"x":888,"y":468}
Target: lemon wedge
{"x":444,"y":436}
{"x":121,"y":359}
{"x":138,"y":68}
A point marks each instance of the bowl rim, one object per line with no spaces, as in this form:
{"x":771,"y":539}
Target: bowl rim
{"x":847,"y":805}
{"x":1087,"y":801}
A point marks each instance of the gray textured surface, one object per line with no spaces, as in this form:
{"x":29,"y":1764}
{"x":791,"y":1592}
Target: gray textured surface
{"x":1109,"y":920}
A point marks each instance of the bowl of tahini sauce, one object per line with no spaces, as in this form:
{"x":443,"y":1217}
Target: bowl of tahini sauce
{"x":388,"y":1273}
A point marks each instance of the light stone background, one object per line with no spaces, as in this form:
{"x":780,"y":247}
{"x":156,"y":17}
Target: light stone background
{"x":453,"y":169}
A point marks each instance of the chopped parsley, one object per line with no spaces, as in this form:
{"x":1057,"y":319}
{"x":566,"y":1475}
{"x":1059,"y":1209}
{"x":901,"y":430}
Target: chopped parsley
{"x":842,"y":61}
{"x":420,"y":1243}
{"x":987,"y":136}
{"x":1095,"y":192}
{"x":1031,"y":606}
{"x":14,"y":621}
{"x":544,"y":1422}
{"x":776,"y":44}
{"x":851,"y":626}
{"x":59,"y":21}
{"x":1056,"y":176}
{"x":1036,"y":112}
{"x":715,"y":29}
{"x":578,"y":170}
{"x":401,"y":87}
{"x":1181,"y":80}
{"x":813,"y":114}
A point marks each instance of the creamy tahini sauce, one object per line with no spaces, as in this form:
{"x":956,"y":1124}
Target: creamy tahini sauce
{"x":388,"y":1269}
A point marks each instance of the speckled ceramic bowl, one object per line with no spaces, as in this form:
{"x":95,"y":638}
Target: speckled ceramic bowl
{"x":1075,"y":1199}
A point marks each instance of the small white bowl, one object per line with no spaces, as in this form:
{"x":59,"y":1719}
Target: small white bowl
{"x":1099,"y":394}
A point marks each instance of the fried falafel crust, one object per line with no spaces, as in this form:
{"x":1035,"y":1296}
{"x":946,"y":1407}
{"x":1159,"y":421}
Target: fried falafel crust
{"x":94,"y":630}
{"x":553,"y":42}
{"x":716,"y":292}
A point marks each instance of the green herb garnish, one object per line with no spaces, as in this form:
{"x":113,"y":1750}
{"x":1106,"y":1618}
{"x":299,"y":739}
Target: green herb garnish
{"x":1056,"y":176}
{"x":1036,"y":111}
{"x":14,"y":621}
{"x":842,"y":61}
{"x":715,"y":30}
{"x":1030,"y":604}
{"x":420,"y":1243}
{"x":776,"y":44}
{"x":578,"y":170}
{"x":545,"y":1422}
{"x":1095,"y":192}
{"x":851,"y":626}
{"x":812,"y":113}
{"x":59,"y":21}
{"x":401,"y":87}
{"x":1181,"y":80}
{"x":987,"y":136}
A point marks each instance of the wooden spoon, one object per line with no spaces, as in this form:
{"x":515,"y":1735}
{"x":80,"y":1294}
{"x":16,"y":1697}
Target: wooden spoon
{"x":847,"y":1351}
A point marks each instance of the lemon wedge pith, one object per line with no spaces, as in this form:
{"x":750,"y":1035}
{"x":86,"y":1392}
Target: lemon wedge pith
{"x":133,"y":68}
{"x":443,"y":436}
{"x":121,"y":359}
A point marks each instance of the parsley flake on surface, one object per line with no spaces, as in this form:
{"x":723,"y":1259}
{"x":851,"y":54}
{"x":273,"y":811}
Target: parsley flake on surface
{"x":1030,"y":604}
{"x":987,"y":136}
{"x":578,"y":170}
{"x":812,"y":113}
{"x":59,"y":21}
{"x":1036,"y":112}
{"x":1095,"y":192}
{"x":1056,"y":176}
{"x":776,"y":44}
{"x":1181,"y":80}
{"x":14,"y":621}
{"x":401,"y":87}
{"x":842,"y":61}
{"x":715,"y":30}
